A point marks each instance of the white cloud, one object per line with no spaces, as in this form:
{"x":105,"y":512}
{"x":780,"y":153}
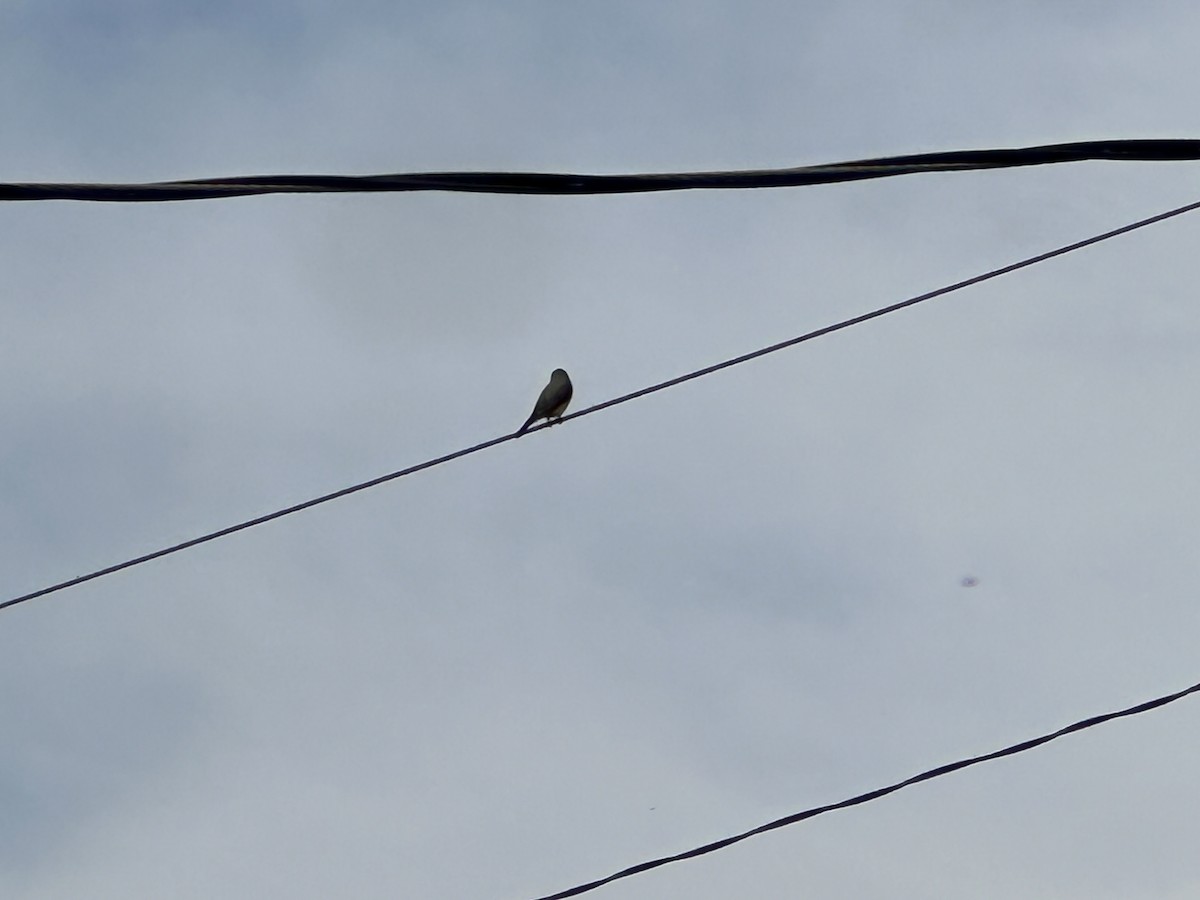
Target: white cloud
{"x":644,"y":629}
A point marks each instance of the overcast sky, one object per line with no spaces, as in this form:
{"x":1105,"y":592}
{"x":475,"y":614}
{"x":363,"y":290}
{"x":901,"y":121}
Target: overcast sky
{"x":654,"y":626}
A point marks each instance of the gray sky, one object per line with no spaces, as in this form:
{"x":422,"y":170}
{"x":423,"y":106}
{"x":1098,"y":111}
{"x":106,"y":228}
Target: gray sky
{"x":651,"y":627}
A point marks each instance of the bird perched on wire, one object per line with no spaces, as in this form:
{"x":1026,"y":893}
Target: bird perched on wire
{"x":553,"y":400}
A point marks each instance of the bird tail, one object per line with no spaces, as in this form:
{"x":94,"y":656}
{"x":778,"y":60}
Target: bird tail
{"x":528,"y":422}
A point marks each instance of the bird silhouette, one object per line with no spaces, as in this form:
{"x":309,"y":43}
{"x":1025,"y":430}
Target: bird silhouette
{"x":553,"y":400}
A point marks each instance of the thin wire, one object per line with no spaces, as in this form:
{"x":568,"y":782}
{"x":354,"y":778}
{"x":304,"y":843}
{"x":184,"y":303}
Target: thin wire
{"x":1155,"y":150}
{"x":875,"y":794}
{"x":828,"y":329}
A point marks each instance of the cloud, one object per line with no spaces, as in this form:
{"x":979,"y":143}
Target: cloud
{"x":650,"y":627}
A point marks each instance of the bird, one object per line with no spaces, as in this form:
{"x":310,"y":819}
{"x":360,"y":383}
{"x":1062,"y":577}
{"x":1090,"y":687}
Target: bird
{"x":553,"y":400}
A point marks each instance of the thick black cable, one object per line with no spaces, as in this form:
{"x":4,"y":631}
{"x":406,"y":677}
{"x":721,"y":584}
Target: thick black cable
{"x":875,"y":794}
{"x":828,"y":329}
{"x":1164,"y":150}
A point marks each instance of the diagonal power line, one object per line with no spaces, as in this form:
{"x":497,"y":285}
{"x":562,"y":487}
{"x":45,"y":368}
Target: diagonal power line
{"x":1164,"y":150}
{"x":877,"y":793}
{"x":708,"y":370}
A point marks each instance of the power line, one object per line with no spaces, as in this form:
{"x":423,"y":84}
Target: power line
{"x":875,"y":794}
{"x":828,"y":329}
{"x":1166,"y":150}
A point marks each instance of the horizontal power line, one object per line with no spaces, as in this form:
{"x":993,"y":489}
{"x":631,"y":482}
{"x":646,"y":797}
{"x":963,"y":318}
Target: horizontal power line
{"x":1166,"y":150}
{"x":707,"y":370}
{"x":875,"y":794}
